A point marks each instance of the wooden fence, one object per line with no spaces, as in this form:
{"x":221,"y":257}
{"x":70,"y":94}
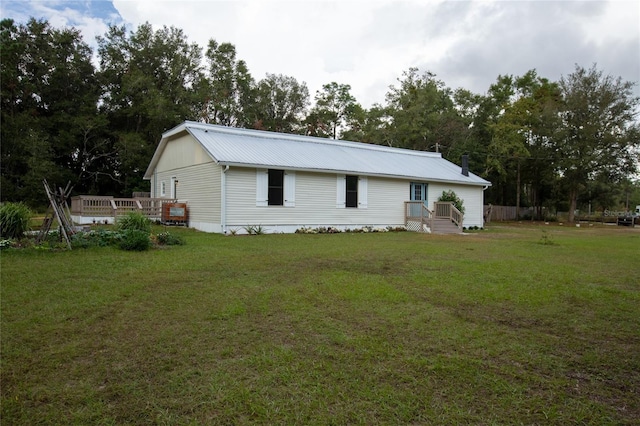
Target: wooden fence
{"x":505,"y":213}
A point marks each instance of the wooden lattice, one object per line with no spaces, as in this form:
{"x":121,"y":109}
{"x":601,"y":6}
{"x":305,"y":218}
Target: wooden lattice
{"x":414,"y":225}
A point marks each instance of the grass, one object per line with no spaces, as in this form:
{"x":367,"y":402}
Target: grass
{"x":497,"y":327}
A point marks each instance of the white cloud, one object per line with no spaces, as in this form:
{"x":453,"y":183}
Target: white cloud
{"x":368,"y":44}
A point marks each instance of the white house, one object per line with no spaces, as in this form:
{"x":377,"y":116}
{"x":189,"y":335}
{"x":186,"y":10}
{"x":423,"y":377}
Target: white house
{"x":234,"y":178}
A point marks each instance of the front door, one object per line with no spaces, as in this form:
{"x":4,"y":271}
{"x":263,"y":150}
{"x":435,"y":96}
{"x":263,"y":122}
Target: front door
{"x":418,"y":193}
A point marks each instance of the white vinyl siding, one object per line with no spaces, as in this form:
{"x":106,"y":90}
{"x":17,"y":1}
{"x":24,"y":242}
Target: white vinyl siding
{"x":472,"y":197}
{"x":199,"y":179}
{"x":182,"y":152}
{"x":200,"y":187}
{"x":315,"y":202}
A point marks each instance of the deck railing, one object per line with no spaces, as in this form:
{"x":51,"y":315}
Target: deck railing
{"x":417,"y":216}
{"x":106,"y":206}
{"x":446,"y":210}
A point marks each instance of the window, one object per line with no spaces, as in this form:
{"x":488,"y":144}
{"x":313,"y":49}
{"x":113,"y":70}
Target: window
{"x":275,"y":188}
{"x":163,"y":188}
{"x":351,"y":194}
{"x":351,"y":191}
{"x":275,"y":195}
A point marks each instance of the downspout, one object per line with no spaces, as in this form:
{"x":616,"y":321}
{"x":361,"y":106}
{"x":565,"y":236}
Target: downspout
{"x":223,"y":200}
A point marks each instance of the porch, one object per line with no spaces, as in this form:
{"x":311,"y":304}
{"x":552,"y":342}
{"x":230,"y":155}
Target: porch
{"x":87,"y":209}
{"x":445,"y":218}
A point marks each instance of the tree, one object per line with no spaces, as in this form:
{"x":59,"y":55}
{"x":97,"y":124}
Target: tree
{"x":514,"y":126}
{"x":334,"y":106}
{"x":539,"y":173}
{"x":49,"y":93}
{"x":501,"y":138}
{"x":229,"y":87}
{"x":467,"y":131}
{"x":369,"y":126}
{"x":150,"y":83}
{"x":280,"y":104}
{"x":600,"y":133}
{"x":522,"y":131}
{"x":422,"y":113}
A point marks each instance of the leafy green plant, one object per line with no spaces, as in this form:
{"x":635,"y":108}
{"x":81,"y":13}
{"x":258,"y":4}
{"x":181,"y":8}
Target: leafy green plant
{"x":96,"y":238}
{"x":546,"y":239}
{"x":135,"y":240}
{"x":169,"y":239}
{"x":452,"y":197}
{"x":14,"y":220}
{"x":254,"y":229}
{"x":134,"y":221}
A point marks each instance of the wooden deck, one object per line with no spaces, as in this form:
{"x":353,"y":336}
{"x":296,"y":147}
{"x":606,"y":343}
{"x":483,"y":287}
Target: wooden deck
{"x":86,"y":209}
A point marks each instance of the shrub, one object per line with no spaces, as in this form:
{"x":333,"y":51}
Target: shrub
{"x":452,"y":197}
{"x":168,"y":239}
{"x":14,"y":220}
{"x":134,"y":221}
{"x":254,"y":229}
{"x":546,"y":239}
{"x":97,"y":238}
{"x":135,"y":240}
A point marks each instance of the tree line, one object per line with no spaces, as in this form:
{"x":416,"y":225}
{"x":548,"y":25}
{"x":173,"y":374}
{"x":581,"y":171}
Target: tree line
{"x":555,"y":145}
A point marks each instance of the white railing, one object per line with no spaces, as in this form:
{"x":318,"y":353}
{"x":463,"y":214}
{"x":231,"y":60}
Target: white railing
{"x":446,"y":210}
{"x":106,"y":206}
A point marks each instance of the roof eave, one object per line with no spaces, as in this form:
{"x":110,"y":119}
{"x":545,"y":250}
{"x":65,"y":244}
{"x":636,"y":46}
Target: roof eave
{"x":482,"y":183}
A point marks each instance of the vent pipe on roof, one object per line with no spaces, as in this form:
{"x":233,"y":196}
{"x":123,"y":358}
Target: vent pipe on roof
{"x":465,"y":165}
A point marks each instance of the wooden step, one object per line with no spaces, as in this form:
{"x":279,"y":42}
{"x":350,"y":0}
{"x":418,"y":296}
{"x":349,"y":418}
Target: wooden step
{"x":444,"y":226}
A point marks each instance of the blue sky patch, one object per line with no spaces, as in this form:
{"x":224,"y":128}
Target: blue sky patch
{"x":21,"y":10}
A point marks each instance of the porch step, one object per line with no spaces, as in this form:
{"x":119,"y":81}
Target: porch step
{"x":444,"y":226}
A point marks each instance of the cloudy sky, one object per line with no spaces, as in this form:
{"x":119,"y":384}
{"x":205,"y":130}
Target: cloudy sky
{"x":368,"y":44}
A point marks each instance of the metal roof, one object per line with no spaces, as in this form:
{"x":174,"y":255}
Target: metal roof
{"x":254,"y":148}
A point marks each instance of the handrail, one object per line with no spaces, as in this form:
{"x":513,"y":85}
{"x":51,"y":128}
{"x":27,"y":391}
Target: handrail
{"x":416,"y":215}
{"x":457,"y":217}
{"x":447,"y":210}
{"x":428,"y":217}
{"x":107,"y":206}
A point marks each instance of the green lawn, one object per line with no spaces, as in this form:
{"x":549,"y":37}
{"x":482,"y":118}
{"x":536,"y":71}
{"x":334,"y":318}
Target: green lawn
{"x":395,"y":328}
